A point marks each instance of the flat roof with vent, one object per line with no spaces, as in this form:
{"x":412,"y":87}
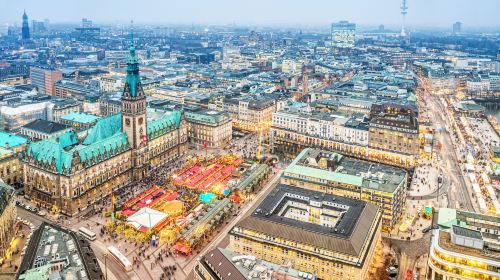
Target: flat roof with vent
{"x":345,"y":170}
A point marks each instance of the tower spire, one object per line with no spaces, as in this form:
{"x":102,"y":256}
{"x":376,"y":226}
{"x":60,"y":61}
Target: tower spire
{"x":131,"y":33}
{"x":404,"y":11}
{"x":133,"y":87}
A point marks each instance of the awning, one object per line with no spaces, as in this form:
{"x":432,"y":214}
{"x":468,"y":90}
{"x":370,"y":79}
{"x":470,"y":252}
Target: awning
{"x":181,"y":248}
{"x":146,"y":217}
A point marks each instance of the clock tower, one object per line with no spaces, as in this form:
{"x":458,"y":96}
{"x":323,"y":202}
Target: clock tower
{"x":134,"y":118}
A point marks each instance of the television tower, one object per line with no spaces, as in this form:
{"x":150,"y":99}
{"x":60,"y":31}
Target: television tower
{"x":404,"y":9}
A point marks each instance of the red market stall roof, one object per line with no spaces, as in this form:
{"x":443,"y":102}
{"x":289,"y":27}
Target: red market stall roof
{"x":182,"y":248}
{"x":235,"y":198}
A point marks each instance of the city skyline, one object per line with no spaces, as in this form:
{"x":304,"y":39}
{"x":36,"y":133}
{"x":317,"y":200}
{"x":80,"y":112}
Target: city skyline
{"x":365,"y":13}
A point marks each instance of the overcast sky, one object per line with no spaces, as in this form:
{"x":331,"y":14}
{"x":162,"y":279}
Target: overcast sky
{"x":439,"y":13}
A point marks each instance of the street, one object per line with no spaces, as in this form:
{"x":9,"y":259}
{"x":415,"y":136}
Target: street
{"x":247,"y":210}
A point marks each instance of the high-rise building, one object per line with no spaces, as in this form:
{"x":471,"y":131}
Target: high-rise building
{"x":26,"y":28}
{"x":343,"y":34}
{"x":457,"y":27}
{"x":38,"y":27}
{"x":45,"y":79}
{"x":86,"y":22}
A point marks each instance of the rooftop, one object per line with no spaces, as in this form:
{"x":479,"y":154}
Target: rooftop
{"x":344,"y":226}
{"x":8,"y":140}
{"x":44,"y":126}
{"x":446,"y":243}
{"x":462,"y":231}
{"x":206,"y":116}
{"x":243,"y":267}
{"x":51,"y":245}
{"x":334,"y":167}
{"x":80,"y":117}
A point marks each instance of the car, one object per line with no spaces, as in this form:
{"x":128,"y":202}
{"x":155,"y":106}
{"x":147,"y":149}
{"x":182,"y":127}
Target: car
{"x":42,"y":213}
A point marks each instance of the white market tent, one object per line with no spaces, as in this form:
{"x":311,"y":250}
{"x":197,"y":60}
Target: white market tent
{"x":146,"y":218}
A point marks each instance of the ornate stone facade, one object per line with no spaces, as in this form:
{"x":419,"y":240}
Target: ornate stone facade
{"x":71,"y":172}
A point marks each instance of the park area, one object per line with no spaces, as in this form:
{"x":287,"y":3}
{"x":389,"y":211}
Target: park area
{"x":196,"y":199}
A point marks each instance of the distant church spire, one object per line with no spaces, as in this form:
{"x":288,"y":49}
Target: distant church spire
{"x":25,"y":29}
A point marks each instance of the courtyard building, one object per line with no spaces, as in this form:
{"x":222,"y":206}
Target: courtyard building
{"x":329,"y":236}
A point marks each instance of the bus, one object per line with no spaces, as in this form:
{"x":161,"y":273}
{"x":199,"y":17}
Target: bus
{"x":120,"y":258}
{"x":87,"y":233}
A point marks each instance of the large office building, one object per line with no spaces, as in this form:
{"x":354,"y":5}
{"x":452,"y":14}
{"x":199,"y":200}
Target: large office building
{"x":45,"y":79}
{"x":220,"y":264}
{"x":329,"y":236}
{"x":354,"y":135}
{"x":71,"y":172}
{"x":343,"y":34}
{"x":248,"y":113}
{"x":332,"y":173}
{"x":209,"y":128}
{"x":7,"y":220}
{"x":466,"y":246}
{"x":457,"y":27}
{"x":64,"y":88}
{"x":394,"y":128}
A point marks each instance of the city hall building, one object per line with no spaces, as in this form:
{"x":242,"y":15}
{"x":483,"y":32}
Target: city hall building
{"x":329,"y":236}
{"x":70,"y":172}
{"x":333,"y":173}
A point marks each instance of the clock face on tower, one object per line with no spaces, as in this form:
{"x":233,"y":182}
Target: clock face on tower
{"x":127,"y":122}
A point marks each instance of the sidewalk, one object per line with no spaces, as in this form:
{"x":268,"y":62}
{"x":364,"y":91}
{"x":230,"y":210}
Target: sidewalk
{"x":425,"y":179}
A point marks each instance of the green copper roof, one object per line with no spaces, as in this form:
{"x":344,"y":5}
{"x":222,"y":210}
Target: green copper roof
{"x":8,"y":140}
{"x":104,"y":140}
{"x":80,"y":117}
{"x":164,"y":124}
{"x":411,"y":97}
{"x":103,"y":148}
{"x":50,"y":151}
{"x":133,"y":86}
{"x":307,"y":171}
{"x":104,"y":128}
{"x":326,"y":175}
{"x":447,"y":217}
{"x":37,"y":273}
